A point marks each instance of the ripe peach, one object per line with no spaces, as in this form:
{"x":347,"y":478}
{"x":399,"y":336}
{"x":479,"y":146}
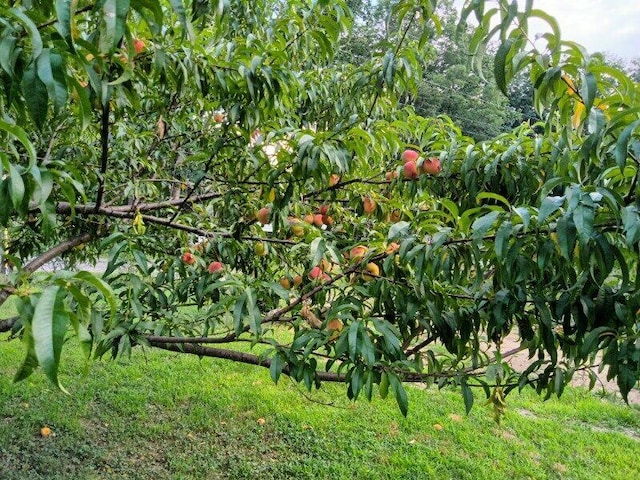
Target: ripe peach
{"x":431,"y":166}
{"x":317,"y":220}
{"x":327,"y":220}
{"x":323,"y":209}
{"x":395,"y":216}
{"x":188,"y":258}
{"x":334,"y":179}
{"x":409,"y":156}
{"x":390,"y":175}
{"x":215,"y":267}
{"x":263,"y":215}
{"x":316,"y":273}
{"x":357,"y":253}
{"x":393,"y":247}
{"x":138,"y":46}
{"x":335,"y":324}
{"x":369,"y":205}
{"x":411,"y":170}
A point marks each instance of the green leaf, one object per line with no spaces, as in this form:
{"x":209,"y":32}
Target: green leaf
{"x":484,"y":223}
{"x":631,"y":223}
{"x":400,"y":393}
{"x":49,"y":327}
{"x":549,"y":206}
{"x":384,"y":385}
{"x":34,"y":33}
{"x":30,"y":362}
{"x":22,"y":137}
{"x":103,"y":287}
{"x":60,"y":90}
{"x":592,"y":339}
{"x":500,"y":64}
{"x":113,"y":23}
{"x":253,"y":311}
{"x":155,"y":8}
{"x":467,"y":395}
{"x":389,"y":335}
{"x":45,"y":74}
{"x":35,"y":95}
{"x":9,"y":53}
{"x":626,"y":380}
{"x":141,"y":261}
{"x":492,"y":196}
{"x":238,"y":311}
{"x":553,"y":23}
{"x":558,"y":381}
{"x":588,"y":89}
{"x":502,"y":239}
{"x":622,"y":145}
{"x":353,"y":340}
{"x":16,"y":185}
{"x":275,"y":369}
{"x":583,"y":217}
{"x":178,"y":7}
{"x":398,"y":229}
{"x":566,"y":231}
{"x":5,"y":213}
{"x":524,"y":215}
{"x":356,"y":382}
{"x":63,"y":25}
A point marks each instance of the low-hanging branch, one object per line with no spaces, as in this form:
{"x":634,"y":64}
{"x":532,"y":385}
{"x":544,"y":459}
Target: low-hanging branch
{"x":47,"y":256}
{"x":251,"y":359}
{"x":236,"y":356}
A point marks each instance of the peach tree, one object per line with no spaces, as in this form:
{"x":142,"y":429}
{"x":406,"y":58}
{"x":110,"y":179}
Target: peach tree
{"x":245,"y":188}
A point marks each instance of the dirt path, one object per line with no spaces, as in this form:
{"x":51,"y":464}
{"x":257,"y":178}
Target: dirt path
{"x":520,"y":361}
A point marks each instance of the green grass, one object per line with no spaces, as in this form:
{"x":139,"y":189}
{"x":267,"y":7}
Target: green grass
{"x":164,"y":415}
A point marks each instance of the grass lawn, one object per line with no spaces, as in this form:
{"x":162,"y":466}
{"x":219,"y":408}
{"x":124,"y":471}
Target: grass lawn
{"x":164,"y":415}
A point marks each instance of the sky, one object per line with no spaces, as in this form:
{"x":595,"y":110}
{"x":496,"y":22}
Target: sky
{"x":611,"y":26}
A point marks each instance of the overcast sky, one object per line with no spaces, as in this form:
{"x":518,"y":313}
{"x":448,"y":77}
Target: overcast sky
{"x":611,"y":26}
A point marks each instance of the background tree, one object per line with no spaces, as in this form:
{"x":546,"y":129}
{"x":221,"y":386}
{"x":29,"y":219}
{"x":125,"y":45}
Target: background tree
{"x":245,"y":186}
{"x":449,"y":85}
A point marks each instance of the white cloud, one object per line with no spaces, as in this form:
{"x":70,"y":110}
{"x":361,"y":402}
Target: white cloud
{"x":612,"y":26}
{"x":600,"y":26}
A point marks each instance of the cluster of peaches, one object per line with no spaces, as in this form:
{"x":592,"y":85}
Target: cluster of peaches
{"x":412,"y":167}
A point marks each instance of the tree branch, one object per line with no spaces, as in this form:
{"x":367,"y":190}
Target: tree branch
{"x":420,"y":346}
{"x":47,"y":256}
{"x":236,"y":356}
{"x":163,"y":339}
{"x":65,"y":208}
{"x":251,"y":359}
{"x":7,"y":324}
